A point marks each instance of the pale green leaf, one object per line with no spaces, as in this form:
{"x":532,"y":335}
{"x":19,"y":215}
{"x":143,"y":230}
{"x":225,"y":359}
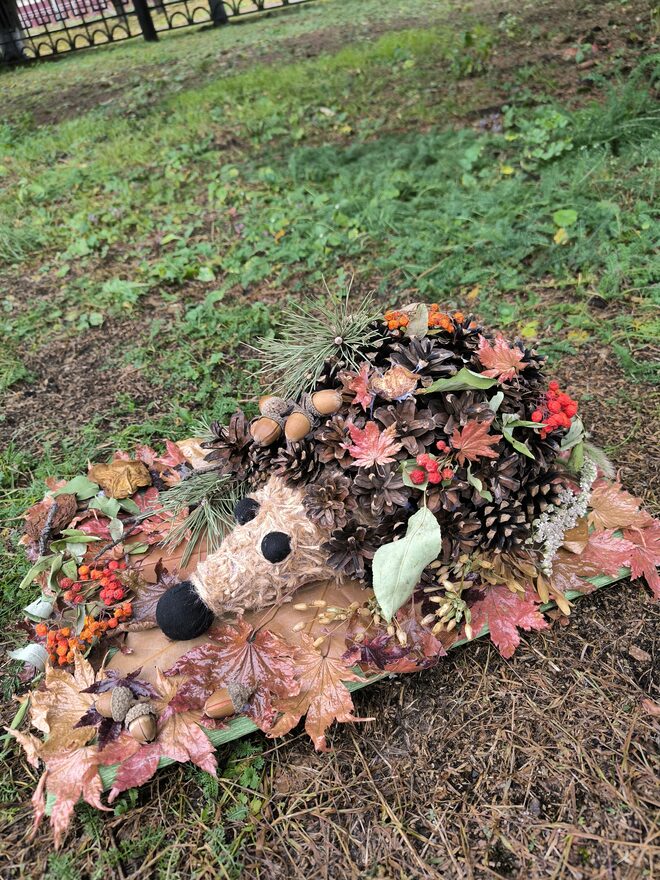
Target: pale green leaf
{"x":108,"y":506}
{"x":40,"y":609}
{"x":397,"y":567}
{"x":565,"y":217}
{"x":33,"y":654}
{"x":464,"y":380}
{"x":79,"y":486}
{"x":418,"y":324}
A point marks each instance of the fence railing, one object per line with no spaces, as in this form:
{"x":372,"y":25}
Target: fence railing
{"x":32,"y":29}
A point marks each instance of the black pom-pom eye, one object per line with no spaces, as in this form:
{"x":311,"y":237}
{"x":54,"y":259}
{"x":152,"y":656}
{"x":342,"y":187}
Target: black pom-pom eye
{"x":276,"y":546}
{"x":245,"y":510}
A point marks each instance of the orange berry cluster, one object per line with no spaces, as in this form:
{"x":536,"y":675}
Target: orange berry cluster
{"x":396,"y":320}
{"x":438,"y":319}
{"x":61,"y":644}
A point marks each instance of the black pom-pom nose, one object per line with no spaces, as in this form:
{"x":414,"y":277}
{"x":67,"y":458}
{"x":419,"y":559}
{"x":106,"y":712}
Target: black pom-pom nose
{"x":245,"y":510}
{"x":276,"y":546}
{"x":181,"y":614}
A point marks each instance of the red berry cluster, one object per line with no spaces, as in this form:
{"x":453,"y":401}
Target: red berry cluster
{"x":72,"y":591}
{"x":556,"y":411}
{"x":429,"y":469}
{"x":112,"y":589}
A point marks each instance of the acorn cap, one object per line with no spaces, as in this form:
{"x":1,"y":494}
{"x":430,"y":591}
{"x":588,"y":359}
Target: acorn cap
{"x":227,"y":700}
{"x":274,"y":407}
{"x":120,"y":702}
{"x":138,"y":710}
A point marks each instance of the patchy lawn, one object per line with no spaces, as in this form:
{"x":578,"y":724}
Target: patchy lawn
{"x":158,"y":204}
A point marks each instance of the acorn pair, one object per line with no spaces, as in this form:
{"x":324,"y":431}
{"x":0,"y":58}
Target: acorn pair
{"x":295,"y":420}
{"x":138,"y":716}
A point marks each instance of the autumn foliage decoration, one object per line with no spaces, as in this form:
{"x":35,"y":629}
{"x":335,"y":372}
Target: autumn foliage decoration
{"x":454,"y":491}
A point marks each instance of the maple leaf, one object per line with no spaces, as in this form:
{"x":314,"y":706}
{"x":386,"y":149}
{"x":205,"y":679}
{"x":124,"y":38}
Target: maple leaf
{"x":372,"y":446}
{"x":397,"y":383}
{"x":179,"y":738}
{"x":323,"y":696}
{"x":358,"y":383}
{"x":503,"y":361}
{"x":473,"y":441}
{"x":645,"y":554}
{"x":614,"y":508}
{"x":607,"y":552}
{"x":504,"y":613}
{"x":569,"y":573}
{"x":61,"y":700}
{"x":147,"y":596}
{"x":70,"y":774}
{"x":163,"y":465}
{"x":257,"y":659}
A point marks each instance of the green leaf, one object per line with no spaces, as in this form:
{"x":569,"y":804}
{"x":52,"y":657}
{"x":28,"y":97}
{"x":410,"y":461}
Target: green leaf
{"x":79,"y":486}
{"x":565,"y":217}
{"x":70,"y":569}
{"x":129,"y":506}
{"x":418,"y":324}
{"x":511,"y":421}
{"x":574,"y":436}
{"x":478,"y":485}
{"x":42,"y":564}
{"x":34,"y":654}
{"x":464,"y":380}
{"x":397,"y":567}
{"x":95,"y":319}
{"x":116,"y":529}
{"x":496,"y":401}
{"x":109,"y":506}
{"x":40,"y":609}
{"x":134,"y":549}
{"x":576,"y":459}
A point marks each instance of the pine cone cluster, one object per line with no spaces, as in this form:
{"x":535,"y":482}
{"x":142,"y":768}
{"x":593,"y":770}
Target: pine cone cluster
{"x":352,"y":463}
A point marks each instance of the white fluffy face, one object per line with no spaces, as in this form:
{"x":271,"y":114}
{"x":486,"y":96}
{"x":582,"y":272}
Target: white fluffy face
{"x":239,"y":578}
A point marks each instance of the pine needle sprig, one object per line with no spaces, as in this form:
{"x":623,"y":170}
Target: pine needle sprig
{"x":210,"y":498}
{"x":313,"y":333}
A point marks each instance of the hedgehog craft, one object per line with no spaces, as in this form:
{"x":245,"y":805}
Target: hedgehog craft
{"x":413,"y":482}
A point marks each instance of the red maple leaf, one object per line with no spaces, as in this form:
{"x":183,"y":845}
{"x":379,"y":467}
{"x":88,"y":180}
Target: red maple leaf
{"x":257,"y":659}
{"x":371,"y":446}
{"x":358,"y":383}
{"x":607,"y":552}
{"x":645,"y":554}
{"x":614,"y":508}
{"x":502,"y":360}
{"x":323,"y":696}
{"x":473,"y":441}
{"x":504,"y":613}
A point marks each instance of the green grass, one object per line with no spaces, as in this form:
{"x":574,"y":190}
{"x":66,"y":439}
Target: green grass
{"x":170,"y":222}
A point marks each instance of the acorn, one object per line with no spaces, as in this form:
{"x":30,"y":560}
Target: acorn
{"x":227,"y":700}
{"x":114,"y":703}
{"x":141,"y":722}
{"x":265,"y":431}
{"x":327,"y":402}
{"x":275,"y":408}
{"x":297,"y":426}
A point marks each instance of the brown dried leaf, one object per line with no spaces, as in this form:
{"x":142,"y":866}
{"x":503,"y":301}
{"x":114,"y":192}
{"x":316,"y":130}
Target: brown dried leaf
{"x":59,"y":703}
{"x":614,"y":508}
{"x":120,"y":478}
{"x":397,"y":383}
{"x":36,"y":516}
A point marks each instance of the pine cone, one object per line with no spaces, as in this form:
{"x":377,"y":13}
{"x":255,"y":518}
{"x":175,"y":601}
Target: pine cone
{"x":380,"y":490}
{"x":350,"y":549}
{"x":462,"y":407}
{"x":504,"y":525}
{"x":539,"y":493}
{"x":231,"y":446}
{"x":329,"y":501}
{"x":415,"y":428}
{"x":297,"y":462}
{"x":330,"y":439}
{"x":328,"y":377}
{"x":424,"y":356}
{"x":260,"y":463}
{"x":462,"y":340}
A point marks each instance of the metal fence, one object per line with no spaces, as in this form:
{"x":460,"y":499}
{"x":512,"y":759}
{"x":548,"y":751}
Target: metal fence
{"x":32,"y":29}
